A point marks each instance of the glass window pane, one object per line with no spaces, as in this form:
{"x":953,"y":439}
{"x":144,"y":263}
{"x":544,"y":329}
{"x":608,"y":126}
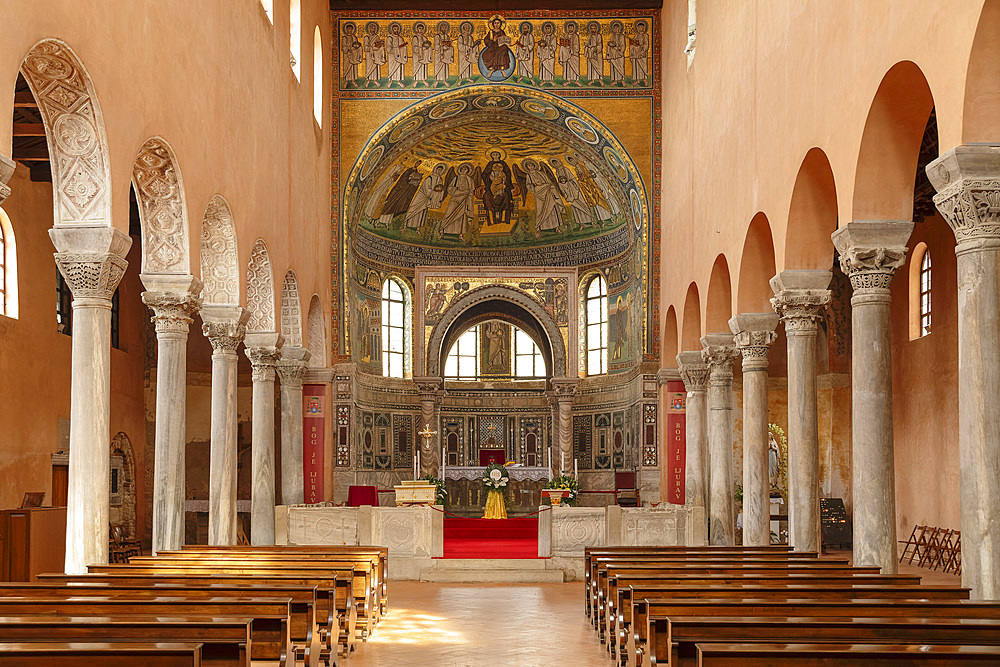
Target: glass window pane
{"x":395,"y":313}
{"x":524,"y":367}
{"x":396,"y":340}
{"x":451,"y":366}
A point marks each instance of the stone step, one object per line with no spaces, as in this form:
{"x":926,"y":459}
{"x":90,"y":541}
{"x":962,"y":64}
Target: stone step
{"x":491,"y":575}
{"x":490,"y":563}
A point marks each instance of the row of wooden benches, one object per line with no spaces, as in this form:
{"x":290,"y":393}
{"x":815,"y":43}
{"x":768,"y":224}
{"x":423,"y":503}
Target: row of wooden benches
{"x":224,"y":606}
{"x":771,"y":606}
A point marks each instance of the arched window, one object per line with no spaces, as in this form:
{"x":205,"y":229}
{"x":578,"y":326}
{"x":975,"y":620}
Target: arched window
{"x":8,"y":268}
{"x":393,"y":329}
{"x":596,"y":309}
{"x":268,"y":6}
{"x":925,"y":294}
{"x":318,"y":77}
{"x":295,"y":37}
{"x":920,"y":291}
{"x":528,"y":362}
{"x":463,"y":360}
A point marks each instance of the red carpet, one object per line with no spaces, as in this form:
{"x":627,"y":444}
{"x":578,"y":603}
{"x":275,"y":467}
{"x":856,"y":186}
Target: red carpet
{"x":490,"y":538}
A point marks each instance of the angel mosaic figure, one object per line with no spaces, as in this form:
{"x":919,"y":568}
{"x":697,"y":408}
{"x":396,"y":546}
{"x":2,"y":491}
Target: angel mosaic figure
{"x":545,"y":188}
{"x":569,"y":187}
{"x":396,"y":54}
{"x":444,"y":54}
{"x":593,"y":51}
{"x":524,"y":53}
{"x":467,"y":55}
{"x":459,"y":187}
{"x":591,"y":192}
{"x":547,"y":46}
{"x":639,"y":53}
{"x":351,"y":54}
{"x":569,"y":54}
{"x":423,"y":54}
{"x":399,"y":197}
{"x":616,"y":53}
{"x":375,"y":57}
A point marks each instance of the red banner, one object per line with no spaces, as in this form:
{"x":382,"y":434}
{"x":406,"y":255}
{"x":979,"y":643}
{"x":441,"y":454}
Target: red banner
{"x":675,"y":442}
{"x":313,"y":436}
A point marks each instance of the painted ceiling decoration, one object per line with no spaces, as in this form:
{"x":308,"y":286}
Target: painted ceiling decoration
{"x":494,"y":174}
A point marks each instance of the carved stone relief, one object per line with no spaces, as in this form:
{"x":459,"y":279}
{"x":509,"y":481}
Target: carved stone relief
{"x":260,"y":289}
{"x":316,"y":333}
{"x":291,"y":311}
{"x":576,"y":529}
{"x":220,"y":268}
{"x":161,"y":206}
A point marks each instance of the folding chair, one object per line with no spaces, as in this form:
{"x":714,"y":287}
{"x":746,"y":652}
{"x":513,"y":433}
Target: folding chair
{"x":910,"y":545}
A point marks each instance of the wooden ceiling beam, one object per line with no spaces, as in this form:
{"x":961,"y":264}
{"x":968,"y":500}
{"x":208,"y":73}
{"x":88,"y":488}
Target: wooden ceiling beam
{"x":25,"y":100}
{"x":30,"y":154}
{"x":29,"y":130}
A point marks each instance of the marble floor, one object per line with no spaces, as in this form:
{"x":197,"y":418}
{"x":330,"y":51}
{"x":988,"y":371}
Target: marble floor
{"x":500,"y":625}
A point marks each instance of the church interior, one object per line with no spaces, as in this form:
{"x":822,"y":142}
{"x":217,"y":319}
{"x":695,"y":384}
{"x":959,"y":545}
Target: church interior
{"x":429,"y":313}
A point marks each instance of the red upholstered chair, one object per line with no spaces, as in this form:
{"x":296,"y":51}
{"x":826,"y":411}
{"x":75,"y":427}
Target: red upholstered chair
{"x":626,"y":490}
{"x":362,"y":495}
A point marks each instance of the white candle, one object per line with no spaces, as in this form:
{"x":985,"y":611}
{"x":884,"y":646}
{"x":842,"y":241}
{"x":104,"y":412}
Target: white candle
{"x":562,"y":462}
{"x":416,"y":465}
{"x":443,"y":464}
{"x":574,"y":468}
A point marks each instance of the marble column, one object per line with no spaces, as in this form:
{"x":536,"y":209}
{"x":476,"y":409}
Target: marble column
{"x":694,"y":373}
{"x":967,"y":179}
{"x":431,"y":393}
{"x":92,"y":260}
{"x":565,"y":389}
{"x":800,"y":297}
{"x":174,"y":300}
{"x":870,"y":251}
{"x":753,"y":334}
{"x":225,"y":327}
{"x":554,"y":441}
{"x":262,"y":349}
{"x":719,"y":352}
{"x":291,"y":367}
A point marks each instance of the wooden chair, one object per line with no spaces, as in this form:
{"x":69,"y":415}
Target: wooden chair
{"x":928,"y":545}
{"x":951,"y":556}
{"x":626,"y":489}
{"x":911,"y":546}
{"x":120,"y":548}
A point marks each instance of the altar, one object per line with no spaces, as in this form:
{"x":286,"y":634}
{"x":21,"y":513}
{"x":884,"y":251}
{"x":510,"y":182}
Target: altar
{"x":467,"y":495}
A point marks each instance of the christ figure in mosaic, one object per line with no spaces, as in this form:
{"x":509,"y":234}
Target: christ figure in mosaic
{"x":569,"y":54}
{"x":524,"y":53}
{"x":375,"y":57}
{"x":423,"y":54}
{"x":639,"y":53}
{"x":547,"y":46}
{"x":351,"y":54}
{"x":593,"y":51}
{"x":396,"y":54}
{"x":444,"y":54}
{"x":616,"y":53}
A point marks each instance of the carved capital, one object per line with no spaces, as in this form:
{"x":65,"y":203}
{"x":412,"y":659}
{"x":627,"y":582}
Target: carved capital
{"x":173,"y":311}
{"x":431,"y":388}
{"x":91,"y":259}
{"x":967,"y":179}
{"x":693,"y":370}
{"x":262,"y":362}
{"x":564,"y":388}
{"x":665,"y":375}
{"x":292,"y":365}
{"x":224,"y":326}
{"x":871,"y":251}
{"x":719,"y":352}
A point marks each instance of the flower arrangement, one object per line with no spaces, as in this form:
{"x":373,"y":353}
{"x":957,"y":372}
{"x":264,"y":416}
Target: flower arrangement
{"x":496,"y":477}
{"x":566,"y":482}
{"x":442,"y":493}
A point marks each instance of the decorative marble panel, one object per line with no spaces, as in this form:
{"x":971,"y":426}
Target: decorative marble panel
{"x":323,"y":525}
{"x":575,"y":528}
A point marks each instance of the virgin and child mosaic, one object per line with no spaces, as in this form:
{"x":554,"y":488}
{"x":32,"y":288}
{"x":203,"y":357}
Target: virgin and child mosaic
{"x":422,"y":54}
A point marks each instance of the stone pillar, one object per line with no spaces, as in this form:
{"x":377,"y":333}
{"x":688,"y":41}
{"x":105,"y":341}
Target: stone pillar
{"x":92,"y":260}
{"x":431,"y":393}
{"x":173,"y":299}
{"x":291,"y":367}
{"x":967,"y":179}
{"x":694,"y":373}
{"x":667,"y":467}
{"x":565,"y":389}
{"x":753,"y":335}
{"x":800,"y":298}
{"x":870,"y":251}
{"x":554,"y":442}
{"x":225,"y":327}
{"x":262,"y":349}
{"x":719,"y":353}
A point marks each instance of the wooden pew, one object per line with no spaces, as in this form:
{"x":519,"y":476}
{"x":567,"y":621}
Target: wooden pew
{"x":269,"y":627}
{"x":226,"y":640}
{"x":365,"y":594}
{"x":673,"y":641}
{"x":335,"y":612}
{"x":644,"y":611}
{"x":105,"y":654}
{"x":860,"y":655}
{"x":306,"y":637}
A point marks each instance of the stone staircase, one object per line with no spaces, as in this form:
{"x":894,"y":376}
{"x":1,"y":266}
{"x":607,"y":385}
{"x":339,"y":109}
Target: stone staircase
{"x":490,"y":570}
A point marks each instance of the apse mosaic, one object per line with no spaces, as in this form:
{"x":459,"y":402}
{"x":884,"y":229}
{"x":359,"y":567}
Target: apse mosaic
{"x":448,"y":51}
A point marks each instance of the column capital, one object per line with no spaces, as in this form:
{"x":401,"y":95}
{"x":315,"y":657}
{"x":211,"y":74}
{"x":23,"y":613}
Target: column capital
{"x":6,"y":171}
{"x":564,"y":388}
{"x":91,"y":259}
{"x":665,"y":375}
{"x":430,"y":387}
{"x":224,"y":326}
{"x":693,"y":370}
{"x":719,"y":352}
{"x":967,"y":179}
{"x":753,"y":334}
{"x":291,"y":366}
{"x":871,"y":251}
{"x":174,"y":305}
{"x":262,"y":362}
{"x":800,"y":299}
